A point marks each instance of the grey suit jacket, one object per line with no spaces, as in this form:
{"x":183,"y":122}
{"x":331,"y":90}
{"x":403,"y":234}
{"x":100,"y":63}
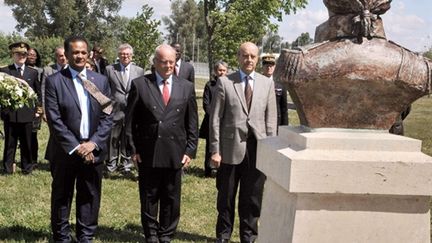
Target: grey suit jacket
{"x":47,"y":71}
{"x":230,"y":120}
{"x":119,"y":89}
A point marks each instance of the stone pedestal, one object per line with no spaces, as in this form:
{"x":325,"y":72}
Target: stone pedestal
{"x":341,"y":185}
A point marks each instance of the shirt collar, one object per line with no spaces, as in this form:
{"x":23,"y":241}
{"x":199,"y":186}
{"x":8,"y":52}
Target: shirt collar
{"x":18,"y":66}
{"x":160,"y":80}
{"x":123,"y":67}
{"x":75,"y":73}
{"x":178,"y":63}
{"x":243,"y":75}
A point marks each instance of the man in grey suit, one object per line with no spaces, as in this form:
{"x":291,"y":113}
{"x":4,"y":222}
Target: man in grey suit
{"x":243,"y":111}
{"x":120,"y":76}
{"x":61,"y":63}
{"x":183,"y":69}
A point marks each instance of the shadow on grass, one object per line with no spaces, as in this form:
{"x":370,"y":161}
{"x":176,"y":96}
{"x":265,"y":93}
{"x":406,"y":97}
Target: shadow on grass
{"x":195,"y":171}
{"x":133,"y":233}
{"x":18,"y":233}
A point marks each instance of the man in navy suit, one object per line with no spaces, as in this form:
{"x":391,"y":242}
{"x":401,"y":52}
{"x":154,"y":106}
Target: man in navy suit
{"x":162,"y":131}
{"x":79,"y":132}
{"x":18,"y":124}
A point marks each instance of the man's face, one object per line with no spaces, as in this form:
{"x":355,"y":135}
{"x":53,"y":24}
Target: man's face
{"x":177,"y":48}
{"x":268,"y":69}
{"x":60,"y":57}
{"x":248,"y":58}
{"x":164,"y":63}
{"x":31,"y":57}
{"x":77,"y":55}
{"x":19,"y":57}
{"x":125,"y":56}
{"x":221,"y":70}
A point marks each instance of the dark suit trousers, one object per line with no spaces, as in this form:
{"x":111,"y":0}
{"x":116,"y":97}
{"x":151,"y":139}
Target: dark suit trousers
{"x":159,"y":186}
{"x":88,"y":180}
{"x":251,"y":183}
{"x":14,"y":132}
{"x":117,"y":148}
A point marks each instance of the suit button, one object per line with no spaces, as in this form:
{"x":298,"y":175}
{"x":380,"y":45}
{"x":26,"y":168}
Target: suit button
{"x":174,"y":124}
{"x":178,"y":110}
{"x":160,"y":122}
{"x":172,"y":137}
{"x":159,"y":136}
{"x":154,"y":107}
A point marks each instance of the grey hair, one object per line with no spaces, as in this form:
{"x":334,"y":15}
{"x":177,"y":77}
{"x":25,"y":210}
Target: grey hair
{"x":220,"y":62}
{"x":124,"y":46}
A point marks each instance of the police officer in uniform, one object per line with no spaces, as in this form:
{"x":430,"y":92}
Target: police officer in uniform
{"x":18,"y":123}
{"x":268,"y":67}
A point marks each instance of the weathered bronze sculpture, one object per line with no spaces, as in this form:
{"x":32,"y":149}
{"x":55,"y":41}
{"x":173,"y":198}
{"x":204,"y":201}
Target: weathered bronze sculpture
{"x":353,"y":77}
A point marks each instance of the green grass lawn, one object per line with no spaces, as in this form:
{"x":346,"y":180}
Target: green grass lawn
{"x":25,"y":200}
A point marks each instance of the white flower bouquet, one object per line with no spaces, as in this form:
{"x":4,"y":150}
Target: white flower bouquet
{"x":15,"y":93}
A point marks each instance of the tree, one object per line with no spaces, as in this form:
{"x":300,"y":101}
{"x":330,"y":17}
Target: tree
{"x":302,"y":40}
{"x":48,"y":18}
{"x":186,"y":26}
{"x":272,"y":42}
{"x":230,"y":23}
{"x":143,"y":35}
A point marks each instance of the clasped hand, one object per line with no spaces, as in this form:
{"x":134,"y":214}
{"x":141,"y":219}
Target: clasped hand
{"x":85,"y":151}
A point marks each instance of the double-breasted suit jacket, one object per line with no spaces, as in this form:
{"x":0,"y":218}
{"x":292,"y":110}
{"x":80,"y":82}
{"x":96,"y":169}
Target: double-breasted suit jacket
{"x":119,"y":88}
{"x":230,"y":120}
{"x":161,"y":134}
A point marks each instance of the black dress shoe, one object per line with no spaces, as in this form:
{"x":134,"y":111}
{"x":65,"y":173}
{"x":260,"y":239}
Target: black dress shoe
{"x":152,"y":239}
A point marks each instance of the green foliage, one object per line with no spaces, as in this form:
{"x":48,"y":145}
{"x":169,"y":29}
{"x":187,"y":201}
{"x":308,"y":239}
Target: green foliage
{"x":428,"y":53}
{"x":46,"y":47}
{"x":49,"y":18}
{"x":143,"y":35}
{"x":229,"y":23}
{"x":272,"y":42}
{"x":5,"y":41}
{"x":302,"y":40}
{"x":186,"y":26}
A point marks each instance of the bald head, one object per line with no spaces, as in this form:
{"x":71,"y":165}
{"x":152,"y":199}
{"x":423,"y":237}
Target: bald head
{"x":164,"y":60}
{"x":248,"y":57}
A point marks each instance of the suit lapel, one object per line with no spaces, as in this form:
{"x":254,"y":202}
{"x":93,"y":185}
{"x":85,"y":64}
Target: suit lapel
{"x":155,"y":92}
{"x":240,"y":91}
{"x":132,"y":75}
{"x":117,"y":73}
{"x":175,"y":90}
{"x":69,"y":84}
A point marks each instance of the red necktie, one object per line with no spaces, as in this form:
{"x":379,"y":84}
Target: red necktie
{"x":165,"y":92}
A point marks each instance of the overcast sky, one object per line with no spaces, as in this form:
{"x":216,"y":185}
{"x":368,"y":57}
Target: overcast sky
{"x":408,"y":23}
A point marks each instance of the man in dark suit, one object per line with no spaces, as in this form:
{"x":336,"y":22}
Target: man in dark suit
{"x":18,"y":124}
{"x":120,"y":76}
{"x":243,"y":111}
{"x":100,"y":61}
{"x":183,"y":69}
{"x":79,"y":128}
{"x":163,"y":135}
{"x":268,"y":66}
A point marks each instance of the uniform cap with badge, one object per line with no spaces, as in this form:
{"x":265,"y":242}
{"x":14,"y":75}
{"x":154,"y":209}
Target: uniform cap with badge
{"x":19,"y":47}
{"x":268,"y":59}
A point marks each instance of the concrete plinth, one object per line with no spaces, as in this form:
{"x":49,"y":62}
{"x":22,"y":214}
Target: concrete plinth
{"x":341,"y":185}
